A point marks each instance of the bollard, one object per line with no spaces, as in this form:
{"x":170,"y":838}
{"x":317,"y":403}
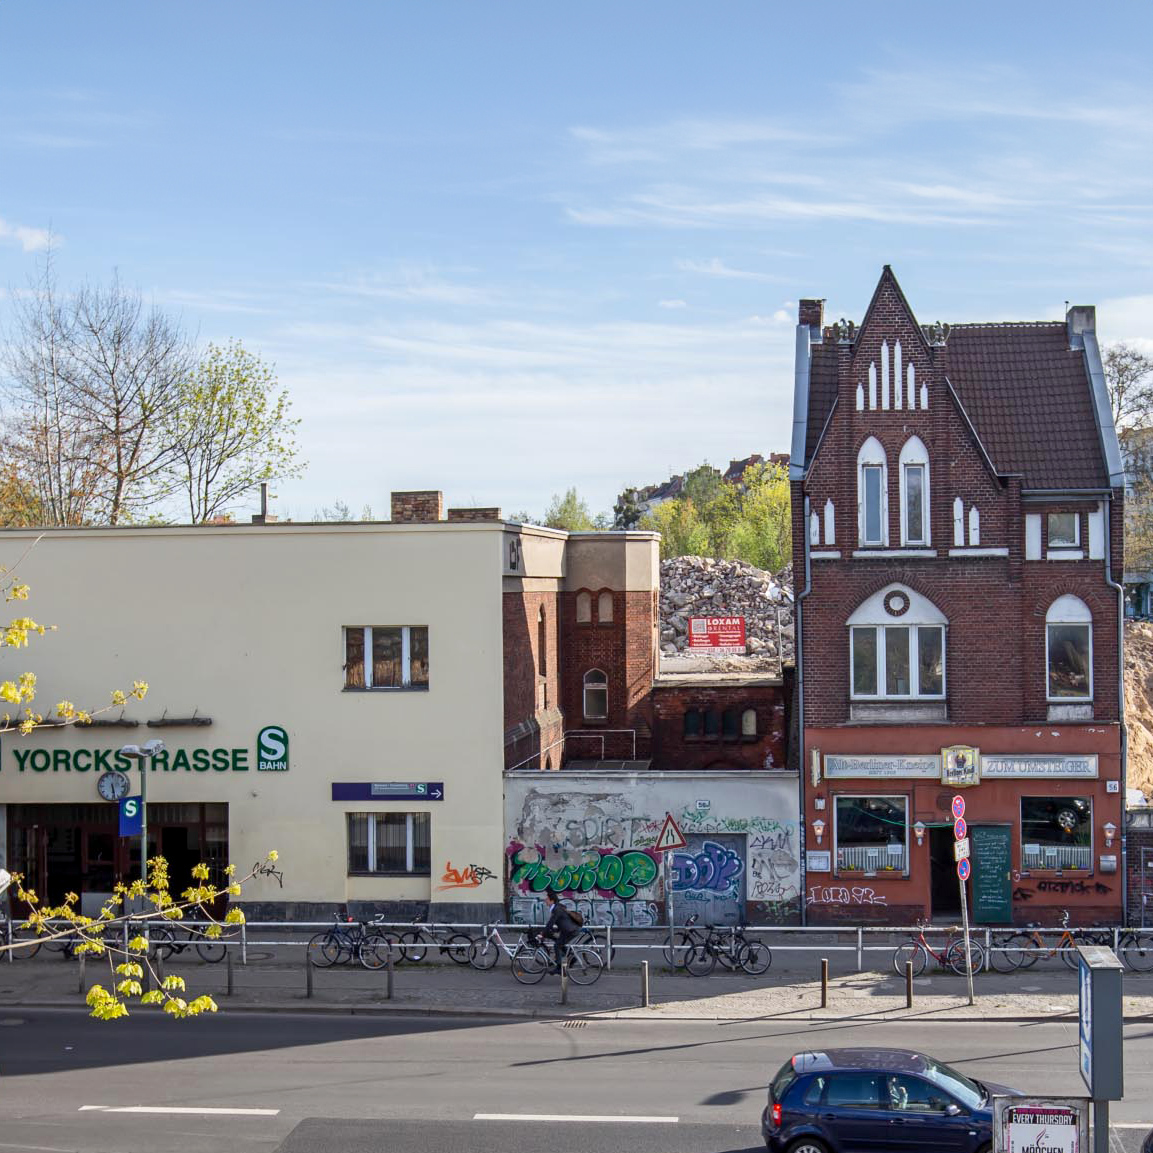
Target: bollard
{"x":860,"y":949}
{"x":146,"y":975}
{"x":609,"y":947}
{"x":645,"y":1003}
{"x":307,"y":974}
{"x":388,"y":974}
{"x":564,"y":982}
{"x":231,"y":985}
{"x":83,"y":958}
{"x":908,"y":984}
{"x":243,"y":943}
{"x":9,"y":939}
{"x":824,"y":982}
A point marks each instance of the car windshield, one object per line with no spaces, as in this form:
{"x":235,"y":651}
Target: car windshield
{"x":969,"y":1093}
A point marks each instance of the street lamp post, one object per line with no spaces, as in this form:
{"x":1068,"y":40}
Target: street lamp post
{"x":141,"y":754}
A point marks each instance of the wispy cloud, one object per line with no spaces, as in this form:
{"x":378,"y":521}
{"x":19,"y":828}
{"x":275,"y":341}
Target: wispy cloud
{"x":718,"y":269}
{"x":415,"y":284}
{"x":674,"y":304}
{"x":29,"y":239}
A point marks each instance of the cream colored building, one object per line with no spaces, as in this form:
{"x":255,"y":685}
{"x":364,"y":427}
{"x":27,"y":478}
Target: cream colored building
{"x":386,"y":793}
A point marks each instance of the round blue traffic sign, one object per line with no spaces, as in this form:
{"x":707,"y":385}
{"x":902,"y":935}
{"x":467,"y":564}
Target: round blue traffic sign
{"x":958,"y":807}
{"x":960,"y":828}
{"x":963,"y":869}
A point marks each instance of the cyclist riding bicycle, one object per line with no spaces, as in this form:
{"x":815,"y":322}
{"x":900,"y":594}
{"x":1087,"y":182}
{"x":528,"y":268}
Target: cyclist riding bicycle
{"x":560,"y":926}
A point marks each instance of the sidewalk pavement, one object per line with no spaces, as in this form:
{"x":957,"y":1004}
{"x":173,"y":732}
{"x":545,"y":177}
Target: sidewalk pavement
{"x":277,"y":982}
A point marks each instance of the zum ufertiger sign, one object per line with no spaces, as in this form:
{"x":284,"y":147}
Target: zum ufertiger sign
{"x":271,"y":756}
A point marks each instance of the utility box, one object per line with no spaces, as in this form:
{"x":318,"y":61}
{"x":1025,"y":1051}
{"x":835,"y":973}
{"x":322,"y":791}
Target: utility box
{"x":1101,"y":1022}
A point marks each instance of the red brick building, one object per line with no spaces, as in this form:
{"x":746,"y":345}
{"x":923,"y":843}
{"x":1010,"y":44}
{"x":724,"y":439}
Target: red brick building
{"x":957,"y":519}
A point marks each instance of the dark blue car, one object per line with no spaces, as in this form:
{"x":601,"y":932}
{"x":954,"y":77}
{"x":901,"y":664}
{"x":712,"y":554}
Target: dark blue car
{"x":877,"y":1101}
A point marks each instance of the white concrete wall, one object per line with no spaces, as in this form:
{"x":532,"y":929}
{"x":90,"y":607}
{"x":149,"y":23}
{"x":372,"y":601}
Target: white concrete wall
{"x":563,"y":821}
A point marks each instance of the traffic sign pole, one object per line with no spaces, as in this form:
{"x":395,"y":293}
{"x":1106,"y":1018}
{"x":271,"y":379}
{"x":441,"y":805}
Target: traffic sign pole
{"x":960,"y":832}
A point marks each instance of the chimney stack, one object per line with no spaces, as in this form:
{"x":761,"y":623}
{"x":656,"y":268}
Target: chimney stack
{"x":1079,"y":319}
{"x":812,"y":313}
{"x":422,"y":507}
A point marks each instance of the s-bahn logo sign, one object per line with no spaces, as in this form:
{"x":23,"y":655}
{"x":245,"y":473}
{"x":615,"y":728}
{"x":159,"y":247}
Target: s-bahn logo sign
{"x":272,"y":750}
{"x":271,"y":757}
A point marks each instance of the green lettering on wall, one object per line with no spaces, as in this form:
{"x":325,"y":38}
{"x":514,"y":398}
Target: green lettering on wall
{"x":220,"y":760}
{"x":61,"y":760}
{"x":200,"y":760}
{"x":180,"y":761}
{"x":76,"y":762}
{"x":21,"y":756}
{"x":240,"y":760}
{"x":41,"y":761}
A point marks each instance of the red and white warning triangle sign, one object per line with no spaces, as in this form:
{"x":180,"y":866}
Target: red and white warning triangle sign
{"x":671,"y":836}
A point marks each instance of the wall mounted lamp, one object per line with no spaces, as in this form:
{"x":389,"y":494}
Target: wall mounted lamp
{"x":818,"y":829}
{"x":1110,"y":831}
{"x":919,"y":833}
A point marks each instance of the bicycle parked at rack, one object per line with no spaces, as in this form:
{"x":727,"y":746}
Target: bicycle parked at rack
{"x":168,"y":938}
{"x":951,"y":956}
{"x":347,"y":940}
{"x":19,"y":937}
{"x":415,"y":942}
{"x":1135,"y":948}
{"x":698,"y":950}
{"x":486,"y":949}
{"x":1024,"y":948}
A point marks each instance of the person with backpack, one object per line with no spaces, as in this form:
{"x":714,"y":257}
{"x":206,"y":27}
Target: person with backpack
{"x":562,"y":925}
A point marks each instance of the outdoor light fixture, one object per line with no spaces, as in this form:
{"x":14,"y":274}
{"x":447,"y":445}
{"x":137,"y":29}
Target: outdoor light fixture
{"x":818,"y":829}
{"x":919,"y":832}
{"x":1110,"y":832}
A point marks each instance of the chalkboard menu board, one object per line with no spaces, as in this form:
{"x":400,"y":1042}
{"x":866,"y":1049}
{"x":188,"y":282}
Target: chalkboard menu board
{"x":992,"y":870}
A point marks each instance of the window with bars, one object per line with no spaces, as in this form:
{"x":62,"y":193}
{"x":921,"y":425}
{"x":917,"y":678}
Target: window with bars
{"x":386,"y":657}
{"x":389,"y":843}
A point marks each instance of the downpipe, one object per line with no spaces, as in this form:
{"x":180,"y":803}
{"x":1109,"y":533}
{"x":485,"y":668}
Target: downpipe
{"x":1120,"y":706}
{"x":798,"y":651}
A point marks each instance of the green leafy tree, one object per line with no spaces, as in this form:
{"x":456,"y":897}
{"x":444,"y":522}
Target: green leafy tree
{"x":627,"y":512}
{"x":231,"y":431}
{"x":569,"y":512}
{"x":763,"y":534}
{"x":682,"y":531}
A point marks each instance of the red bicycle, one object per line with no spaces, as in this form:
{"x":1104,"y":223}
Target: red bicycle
{"x":951,"y":956}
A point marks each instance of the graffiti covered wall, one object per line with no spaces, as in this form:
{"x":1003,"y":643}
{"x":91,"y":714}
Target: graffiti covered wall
{"x":590,"y":837}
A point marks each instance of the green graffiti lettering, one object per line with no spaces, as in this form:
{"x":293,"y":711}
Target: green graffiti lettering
{"x":586,"y":876}
{"x":639,"y":870}
{"x":610,"y":872}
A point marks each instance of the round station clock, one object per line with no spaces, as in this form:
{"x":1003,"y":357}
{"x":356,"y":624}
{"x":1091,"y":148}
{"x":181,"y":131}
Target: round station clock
{"x":112,"y":785}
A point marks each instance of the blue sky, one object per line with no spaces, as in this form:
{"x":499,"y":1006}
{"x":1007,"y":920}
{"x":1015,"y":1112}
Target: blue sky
{"x":504,"y":248}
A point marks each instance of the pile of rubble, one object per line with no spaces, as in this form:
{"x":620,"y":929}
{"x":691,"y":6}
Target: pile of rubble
{"x":696,"y":586}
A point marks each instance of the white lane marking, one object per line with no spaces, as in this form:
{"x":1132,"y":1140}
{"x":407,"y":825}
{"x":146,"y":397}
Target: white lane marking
{"x":572,"y":1117}
{"x":44,"y":1148}
{"x":1131,"y":1124}
{"x":194,"y":1110}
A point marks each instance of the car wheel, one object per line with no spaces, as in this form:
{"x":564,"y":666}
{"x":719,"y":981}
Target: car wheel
{"x":808,"y":1145}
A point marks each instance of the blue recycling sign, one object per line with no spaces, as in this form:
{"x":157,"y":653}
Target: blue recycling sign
{"x":131,"y":817}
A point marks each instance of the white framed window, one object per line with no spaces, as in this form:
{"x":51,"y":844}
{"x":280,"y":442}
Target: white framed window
{"x":872,"y":494}
{"x":871,"y":834}
{"x":385,"y":657}
{"x":1069,"y":650}
{"x":1064,"y":530}
{"x":390,"y":843}
{"x":914,"y":493}
{"x":897,"y":647}
{"x":596,"y":695}
{"x":1056,"y":832}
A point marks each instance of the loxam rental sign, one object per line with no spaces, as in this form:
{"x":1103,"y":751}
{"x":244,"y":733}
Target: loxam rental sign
{"x":717,"y":634}
{"x":271,"y":756}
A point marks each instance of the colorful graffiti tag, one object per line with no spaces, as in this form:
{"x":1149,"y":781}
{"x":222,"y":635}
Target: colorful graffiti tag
{"x":617,"y":873}
{"x":470,"y":877}
{"x":636,"y":914}
{"x":715,"y":868}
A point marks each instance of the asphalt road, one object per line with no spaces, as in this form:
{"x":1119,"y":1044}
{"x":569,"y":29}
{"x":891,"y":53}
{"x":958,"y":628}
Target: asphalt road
{"x":351,"y":1083}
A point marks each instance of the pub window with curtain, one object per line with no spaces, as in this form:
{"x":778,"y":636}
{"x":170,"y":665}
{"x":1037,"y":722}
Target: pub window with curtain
{"x":871,"y":834}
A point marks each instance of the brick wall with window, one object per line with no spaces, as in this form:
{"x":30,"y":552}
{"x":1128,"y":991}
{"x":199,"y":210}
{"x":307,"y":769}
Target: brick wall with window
{"x":702,"y":726}
{"x":623,"y":649}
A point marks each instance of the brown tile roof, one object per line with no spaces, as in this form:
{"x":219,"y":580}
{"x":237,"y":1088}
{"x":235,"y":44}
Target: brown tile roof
{"x":822,"y":392}
{"x":1030,"y":401}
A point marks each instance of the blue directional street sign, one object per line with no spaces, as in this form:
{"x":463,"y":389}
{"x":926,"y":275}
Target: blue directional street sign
{"x":131,"y":816}
{"x":388,"y":791}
